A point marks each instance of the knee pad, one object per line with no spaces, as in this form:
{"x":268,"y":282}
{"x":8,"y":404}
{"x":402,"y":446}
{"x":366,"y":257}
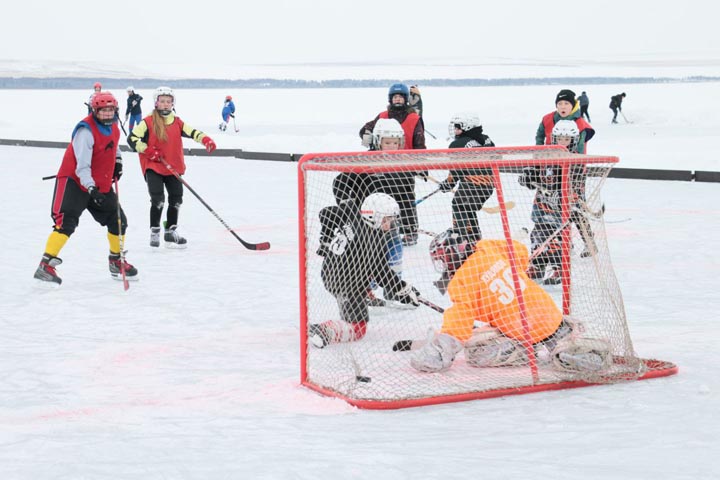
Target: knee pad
{"x":157,"y":201}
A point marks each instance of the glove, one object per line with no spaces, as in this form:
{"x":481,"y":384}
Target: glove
{"x":528,"y":178}
{"x":153,"y":154}
{"x":209,"y":144}
{"x":366,"y":139}
{"x":96,"y":196}
{"x":117,"y":172}
{"x":445,"y":186}
{"x":408,"y":295}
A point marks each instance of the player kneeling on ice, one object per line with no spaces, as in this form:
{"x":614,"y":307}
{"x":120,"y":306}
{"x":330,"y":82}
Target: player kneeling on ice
{"x":355,"y":254}
{"x":481,"y":289}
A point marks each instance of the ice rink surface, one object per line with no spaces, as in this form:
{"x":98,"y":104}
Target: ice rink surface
{"x":194,"y":372}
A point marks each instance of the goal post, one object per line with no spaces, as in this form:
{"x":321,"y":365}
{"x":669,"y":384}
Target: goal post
{"x":510,"y":246}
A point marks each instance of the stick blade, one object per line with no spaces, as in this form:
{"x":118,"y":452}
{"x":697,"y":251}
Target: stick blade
{"x":257,"y":246}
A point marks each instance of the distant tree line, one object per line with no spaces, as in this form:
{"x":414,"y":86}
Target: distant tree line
{"x":120,"y":83}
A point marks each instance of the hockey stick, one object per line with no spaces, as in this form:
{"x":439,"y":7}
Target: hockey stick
{"x":49,"y":177}
{"x":234,"y":124}
{"x":248,"y":245}
{"x":433,"y":136}
{"x":624,"y":117}
{"x":121,"y":237}
{"x":407,"y":345}
{"x":420,"y":200}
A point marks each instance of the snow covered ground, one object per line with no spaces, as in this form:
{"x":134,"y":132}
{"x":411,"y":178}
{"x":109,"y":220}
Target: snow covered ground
{"x":193,"y":373}
{"x":674,"y":125}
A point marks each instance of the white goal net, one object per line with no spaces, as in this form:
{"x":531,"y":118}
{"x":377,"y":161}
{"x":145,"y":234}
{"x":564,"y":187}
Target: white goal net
{"x":446,"y":275}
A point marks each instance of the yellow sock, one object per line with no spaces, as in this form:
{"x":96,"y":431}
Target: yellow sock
{"x":55,"y":243}
{"x":114,"y":242}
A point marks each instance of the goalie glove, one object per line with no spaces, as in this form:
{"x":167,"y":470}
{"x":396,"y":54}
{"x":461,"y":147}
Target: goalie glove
{"x":438,"y":354}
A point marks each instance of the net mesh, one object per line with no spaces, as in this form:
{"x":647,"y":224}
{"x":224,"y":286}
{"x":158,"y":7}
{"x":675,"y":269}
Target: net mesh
{"x":524,"y":252}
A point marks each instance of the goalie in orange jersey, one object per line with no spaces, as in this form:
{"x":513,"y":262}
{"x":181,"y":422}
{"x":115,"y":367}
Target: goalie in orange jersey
{"x":481,"y":288}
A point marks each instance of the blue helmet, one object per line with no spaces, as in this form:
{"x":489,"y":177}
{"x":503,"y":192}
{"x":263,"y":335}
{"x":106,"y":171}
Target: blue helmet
{"x":398,"y":88}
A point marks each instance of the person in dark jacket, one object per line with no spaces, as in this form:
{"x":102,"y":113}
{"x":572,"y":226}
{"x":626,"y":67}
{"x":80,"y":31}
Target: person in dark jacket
{"x":416,"y":100}
{"x":474,"y":186}
{"x":355,"y":254}
{"x":616,"y":105}
{"x":584,"y":102}
{"x":412,"y":124}
{"x":133,"y":112}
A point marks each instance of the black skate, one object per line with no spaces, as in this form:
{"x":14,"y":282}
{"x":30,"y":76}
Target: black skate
{"x":46,"y":270}
{"x":115,"y":265}
{"x":173,"y":239}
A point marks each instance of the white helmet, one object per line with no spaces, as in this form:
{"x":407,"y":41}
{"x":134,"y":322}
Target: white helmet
{"x":130,"y":89}
{"x":463,"y":121}
{"x":164,"y":91}
{"x":378,"y":206}
{"x":566,"y":129}
{"x":387,"y":128}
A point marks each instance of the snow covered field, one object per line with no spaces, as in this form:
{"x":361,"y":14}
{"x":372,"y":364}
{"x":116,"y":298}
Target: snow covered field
{"x":193,"y":373}
{"x":675,"y":125}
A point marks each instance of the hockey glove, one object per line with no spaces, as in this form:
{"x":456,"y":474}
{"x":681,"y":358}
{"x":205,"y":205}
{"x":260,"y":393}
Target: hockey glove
{"x":366,"y":139}
{"x":209,"y":144}
{"x":528,"y":178}
{"x":96,"y":196}
{"x":445,"y":186}
{"x":408,"y":295}
{"x":117,"y":172}
{"x":153,"y":154}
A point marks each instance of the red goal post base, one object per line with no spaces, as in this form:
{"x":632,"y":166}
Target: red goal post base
{"x":655,"y":369}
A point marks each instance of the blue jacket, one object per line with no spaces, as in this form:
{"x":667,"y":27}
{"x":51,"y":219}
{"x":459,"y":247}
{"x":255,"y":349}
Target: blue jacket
{"x":228,"y":108}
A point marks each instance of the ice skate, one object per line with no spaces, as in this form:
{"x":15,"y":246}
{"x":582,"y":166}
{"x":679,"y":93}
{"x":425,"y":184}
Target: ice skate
{"x":173,"y":239}
{"x":115,"y":265}
{"x":154,"y":236}
{"x":45,"y":272}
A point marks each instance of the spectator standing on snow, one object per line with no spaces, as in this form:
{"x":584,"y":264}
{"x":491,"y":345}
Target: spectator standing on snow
{"x":584,"y":104}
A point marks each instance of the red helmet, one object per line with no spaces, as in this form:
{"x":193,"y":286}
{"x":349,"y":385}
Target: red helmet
{"x":97,"y":85}
{"x":103,"y":99}
{"x":229,"y":97}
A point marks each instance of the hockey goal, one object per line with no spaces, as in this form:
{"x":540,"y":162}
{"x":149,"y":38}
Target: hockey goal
{"x":564,"y":261}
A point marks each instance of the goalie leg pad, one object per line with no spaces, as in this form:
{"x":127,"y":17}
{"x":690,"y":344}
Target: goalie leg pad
{"x":437,"y":355}
{"x":488,"y":347}
{"x":576,"y":355}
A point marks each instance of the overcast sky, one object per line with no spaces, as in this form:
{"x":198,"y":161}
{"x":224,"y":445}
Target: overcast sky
{"x":296,"y":31}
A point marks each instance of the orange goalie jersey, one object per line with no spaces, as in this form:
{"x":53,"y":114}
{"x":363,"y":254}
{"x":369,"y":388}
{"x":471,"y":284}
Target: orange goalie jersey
{"x":482,"y":289}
